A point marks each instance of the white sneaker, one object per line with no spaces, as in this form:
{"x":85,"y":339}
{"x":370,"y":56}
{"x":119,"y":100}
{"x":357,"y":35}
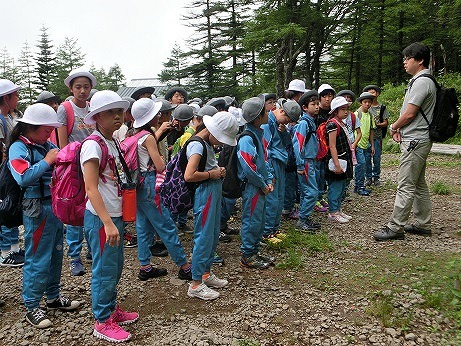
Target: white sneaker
{"x":337,"y":217}
{"x":202,"y":292}
{"x":344,"y":215}
{"x":214,"y":281}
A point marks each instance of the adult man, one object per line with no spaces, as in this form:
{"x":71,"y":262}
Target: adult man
{"x":411,"y":131}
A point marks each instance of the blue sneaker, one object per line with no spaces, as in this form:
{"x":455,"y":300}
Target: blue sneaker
{"x":218,"y":260}
{"x":76,"y":267}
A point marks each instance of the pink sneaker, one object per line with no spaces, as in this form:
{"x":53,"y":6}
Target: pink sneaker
{"x":123,"y":317}
{"x":319,"y":208}
{"x":110,"y":331}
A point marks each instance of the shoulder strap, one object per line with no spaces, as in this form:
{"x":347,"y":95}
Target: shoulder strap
{"x":104,"y":149}
{"x":353,"y":120}
{"x":126,"y":170}
{"x":381,"y":113}
{"x":70,"y":115}
{"x":5,"y":127}
{"x":183,"y":156}
{"x":431,"y":77}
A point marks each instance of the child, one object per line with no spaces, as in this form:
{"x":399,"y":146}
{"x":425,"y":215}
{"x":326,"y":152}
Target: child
{"x":354,"y":132}
{"x":380,"y":115}
{"x":31,"y":157}
{"x":339,"y":148}
{"x":151,"y":216}
{"x":275,"y":140}
{"x":366,"y":145}
{"x":222,"y":128}
{"x":306,"y":144}
{"x":79,"y":83}
{"x":103,"y":216}
{"x":11,"y":254}
{"x":252,"y":169}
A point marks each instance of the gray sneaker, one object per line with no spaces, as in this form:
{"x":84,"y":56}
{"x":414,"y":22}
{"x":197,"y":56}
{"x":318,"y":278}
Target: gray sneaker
{"x":202,"y":292}
{"x":254,"y":262}
{"x":387,"y":234}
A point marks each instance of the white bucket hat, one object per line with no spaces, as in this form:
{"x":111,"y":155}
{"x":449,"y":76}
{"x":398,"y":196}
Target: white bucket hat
{"x":297,"y":85}
{"x":325,"y":87}
{"x":40,"y":114}
{"x":223,"y":126}
{"x":7,"y":87}
{"x":144,"y":110}
{"x":337,"y":102}
{"x":79,"y":72}
{"x":102,"y":101}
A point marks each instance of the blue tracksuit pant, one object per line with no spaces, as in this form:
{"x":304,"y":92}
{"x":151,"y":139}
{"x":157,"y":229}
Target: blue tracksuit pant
{"x":274,"y":200}
{"x":360,"y":167}
{"x":227,"y":206}
{"x":253,"y":215}
{"x":74,"y":239}
{"x":321,"y":180}
{"x":207,"y":213}
{"x":43,"y":240}
{"x":153,"y":218}
{"x":8,"y":237}
{"x":291,"y":185}
{"x":106,"y":268}
{"x":308,"y":190}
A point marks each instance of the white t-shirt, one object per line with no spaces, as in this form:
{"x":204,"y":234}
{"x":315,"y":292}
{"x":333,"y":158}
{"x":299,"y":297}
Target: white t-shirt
{"x":109,"y":190}
{"x":196,"y":147}
{"x":143,"y":155}
{"x":80,"y":130}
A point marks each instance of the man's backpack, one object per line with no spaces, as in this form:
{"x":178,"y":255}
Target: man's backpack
{"x":67,"y":186}
{"x":11,"y":196}
{"x":129,"y":148}
{"x":446,"y":116}
{"x":232,"y":186}
{"x":176,"y":194}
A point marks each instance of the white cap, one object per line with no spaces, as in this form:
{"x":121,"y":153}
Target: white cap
{"x":144,"y":110}
{"x":223,"y":126}
{"x":40,"y":114}
{"x":337,"y":102}
{"x":79,"y":72}
{"x":297,"y":85}
{"x":7,"y":87}
{"x":324,"y":87}
{"x":102,"y":101}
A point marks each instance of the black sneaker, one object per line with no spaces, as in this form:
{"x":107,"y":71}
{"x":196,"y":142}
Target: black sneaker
{"x":413,"y":229}
{"x":130,"y":240}
{"x":254,"y":262}
{"x":230,"y":231}
{"x":154,"y":272}
{"x":224,"y":238}
{"x":185,"y":228}
{"x":158,"y":249}
{"x":183,"y":275}
{"x":14,"y":259}
{"x":63,"y":303}
{"x":387,"y":234}
{"x":22,"y":252}
{"x":37,"y":317}
{"x":267,"y":258}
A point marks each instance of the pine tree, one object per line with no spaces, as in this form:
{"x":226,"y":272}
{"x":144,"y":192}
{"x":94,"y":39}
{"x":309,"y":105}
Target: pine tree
{"x":8,"y":70}
{"x":115,"y":78}
{"x":173,"y":69}
{"x":68,"y":57}
{"x":45,"y":61}
{"x":27,"y":75}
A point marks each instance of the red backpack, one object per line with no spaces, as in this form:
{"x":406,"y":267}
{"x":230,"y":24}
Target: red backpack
{"x":67,"y":186}
{"x":322,"y":136}
{"x":129,"y":148}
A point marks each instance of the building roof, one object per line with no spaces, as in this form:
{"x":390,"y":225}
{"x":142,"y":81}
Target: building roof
{"x":132,"y":85}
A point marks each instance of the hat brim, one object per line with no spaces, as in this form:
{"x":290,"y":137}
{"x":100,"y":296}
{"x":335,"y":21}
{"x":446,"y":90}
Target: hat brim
{"x":342,"y":104}
{"x":151,"y":114}
{"x":80,"y":74}
{"x":50,"y":99}
{"x":169,"y":94}
{"x":360,"y":99}
{"x":53,"y":124}
{"x":113,"y":105}
{"x":10,"y":91}
{"x":217,"y":132}
{"x":143,"y":90}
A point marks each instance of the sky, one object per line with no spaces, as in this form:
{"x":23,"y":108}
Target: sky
{"x":138,"y":35}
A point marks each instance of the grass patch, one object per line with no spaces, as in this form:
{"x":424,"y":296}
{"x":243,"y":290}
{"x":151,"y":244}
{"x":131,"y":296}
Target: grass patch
{"x":440,"y":188}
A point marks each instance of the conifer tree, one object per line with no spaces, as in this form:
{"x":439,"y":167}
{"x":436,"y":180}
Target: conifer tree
{"x":45,"y":61}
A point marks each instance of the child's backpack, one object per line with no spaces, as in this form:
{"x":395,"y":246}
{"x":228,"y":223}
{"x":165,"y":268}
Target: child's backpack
{"x":176,"y":194}
{"x":322,"y":137}
{"x":68,"y":195}
{"x":70,"y":116}
{"x":232,"y":186}
{"x":129,"y":148}
{"x":446,"y":116}
{"x":11,"y":196}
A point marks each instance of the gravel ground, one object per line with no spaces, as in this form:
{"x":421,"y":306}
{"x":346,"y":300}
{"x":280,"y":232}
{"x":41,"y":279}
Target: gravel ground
{"x":319,"y":303}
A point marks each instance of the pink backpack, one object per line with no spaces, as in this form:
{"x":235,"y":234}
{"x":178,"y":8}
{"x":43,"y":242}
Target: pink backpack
{"x":68,"y":193}
{"x":70,"y":122}
{"x":129,"y":147}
